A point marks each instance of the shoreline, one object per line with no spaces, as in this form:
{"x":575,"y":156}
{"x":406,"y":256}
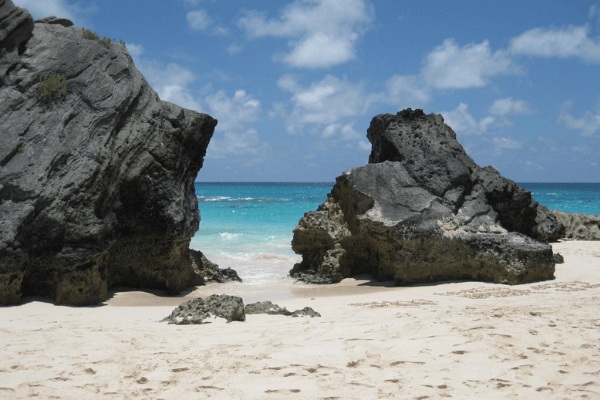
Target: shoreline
{"x":451,"y":339}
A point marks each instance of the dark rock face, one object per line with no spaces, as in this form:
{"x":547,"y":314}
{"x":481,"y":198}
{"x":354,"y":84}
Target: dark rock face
{"x":209,"y":271}
{"x":421,"y":211}
{"x":579,"y":226}
{"x":266,"y":307}
{"x":196,"y":311}
{"x":96,"y":188}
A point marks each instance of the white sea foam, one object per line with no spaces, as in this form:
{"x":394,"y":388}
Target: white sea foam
{"x":229,"y":236}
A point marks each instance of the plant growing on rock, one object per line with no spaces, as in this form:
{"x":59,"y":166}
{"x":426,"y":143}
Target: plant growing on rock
{"x":87,"y":34}
{"x":52,"y":86}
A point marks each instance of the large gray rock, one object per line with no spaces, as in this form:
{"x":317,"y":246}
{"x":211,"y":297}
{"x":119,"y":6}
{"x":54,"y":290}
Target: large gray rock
{"x":424,"y":211}
{"x":579,"y":226}
{"x":96,"y":188}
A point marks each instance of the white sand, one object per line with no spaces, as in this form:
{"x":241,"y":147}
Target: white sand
{"x":458,"y":340}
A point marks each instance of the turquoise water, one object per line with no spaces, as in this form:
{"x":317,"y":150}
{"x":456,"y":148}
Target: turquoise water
{"x":248,"y":226}
{"x":581,"y":198}
{"x":246,"y":221}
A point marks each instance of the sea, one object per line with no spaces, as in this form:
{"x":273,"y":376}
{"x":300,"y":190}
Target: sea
{"x":248,"y":226}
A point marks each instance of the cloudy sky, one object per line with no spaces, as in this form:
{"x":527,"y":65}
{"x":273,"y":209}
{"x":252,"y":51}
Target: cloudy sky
{"x":295,"y":83}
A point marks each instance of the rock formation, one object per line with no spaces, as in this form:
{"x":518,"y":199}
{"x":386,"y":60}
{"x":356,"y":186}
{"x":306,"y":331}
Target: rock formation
{"x":266,"y":307}
{"x":422,"y":211}
{"x":96,"y":172}
{"x":579,"y":226}
{"x":196,"y":311}
{"x":209,"y":271}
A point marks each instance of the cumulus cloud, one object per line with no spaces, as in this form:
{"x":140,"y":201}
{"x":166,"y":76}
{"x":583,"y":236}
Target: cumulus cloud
{"x":504,"y":143}
{"x":233,"y":113}
{"x":330,"y":101}
{"x":58,"y":8}
{"x":449,"y":66}
{"x":572,"y":41}
{"x":508,"y":106}
{"x":234,"y":48}
{"x":328,"y":108}
{"x":135,"y":50}
{"x":406,"y":91}
{"x":232,"y":135}
{"x":170,"y":81}
{"x":244,"y":143}
{"x":587,"y":125}
{"x":323,"y":33}
{"x":462,"y":121}
{"x":199,"y":20}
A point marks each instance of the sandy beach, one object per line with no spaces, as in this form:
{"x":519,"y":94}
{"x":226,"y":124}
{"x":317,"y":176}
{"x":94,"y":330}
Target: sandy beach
{"x":448,"y":340}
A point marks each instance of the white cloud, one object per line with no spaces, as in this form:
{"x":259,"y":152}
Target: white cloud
{"x":586,"y":150}
{"x":572,"y":41}
{"x":171,"y":82}
{"x":58,"y":8}
{"x":199,"y":20}
{"x":587,"y":125}
{"x":461,"y":121}
{"x":244,"y":143}
{"x":233,"y":113}
{"x":328,"y":102}
{"x":135,"y":50}
{"x":323,"y":32}
{"x":508,"y":106}
{"x":288,"y":83}
{"x":449,"y":66}
{"x":502,"y":143}
{"x":232,"y":135}
{"x":364,"y":145}
{"x":234,"y":48}
{"x":406,"y":91}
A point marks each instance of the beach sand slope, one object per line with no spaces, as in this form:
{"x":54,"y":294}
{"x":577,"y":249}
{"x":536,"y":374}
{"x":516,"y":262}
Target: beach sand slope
{"x":446,"y":340}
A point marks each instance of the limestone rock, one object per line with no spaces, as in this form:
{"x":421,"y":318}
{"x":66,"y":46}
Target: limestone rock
{"x":209,"y":271}
{"x":55,"y":20}
{"x":422,"y":211}
{"x":267,"y":307}
{"x":196,"y":311}
{"x":96,"y":186}
{"x":579,"y":226}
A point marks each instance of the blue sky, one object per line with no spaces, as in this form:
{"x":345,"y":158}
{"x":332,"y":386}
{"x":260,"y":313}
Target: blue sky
{"x":294,"y":84}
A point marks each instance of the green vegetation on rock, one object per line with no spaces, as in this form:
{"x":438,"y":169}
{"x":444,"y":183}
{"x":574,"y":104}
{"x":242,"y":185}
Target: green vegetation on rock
{"x":87,"y":34}
{"x":52,"y":86}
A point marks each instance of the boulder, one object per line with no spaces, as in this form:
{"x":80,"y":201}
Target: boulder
{"x":96,"y":172}
{"x":267,"y":307}
{"x":209,"y":271}
{"x":579,"y":226}
{"x":196,"y":311}
{"x":423,"y":211}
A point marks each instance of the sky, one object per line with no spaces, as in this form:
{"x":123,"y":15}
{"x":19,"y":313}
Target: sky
{"x":295,"y":83}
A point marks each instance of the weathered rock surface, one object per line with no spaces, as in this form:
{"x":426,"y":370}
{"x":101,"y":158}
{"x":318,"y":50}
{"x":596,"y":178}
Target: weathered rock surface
{"x":209,"y":271}
{"x":218,"y":305}
{"x":422,"y":211}
{"x":267,"y":307}
{"x":579,"y":226}
{"x":96,"y":189}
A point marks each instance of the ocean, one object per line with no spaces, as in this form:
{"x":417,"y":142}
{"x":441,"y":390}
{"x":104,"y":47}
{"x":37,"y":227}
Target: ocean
{"x":248,"y":226}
